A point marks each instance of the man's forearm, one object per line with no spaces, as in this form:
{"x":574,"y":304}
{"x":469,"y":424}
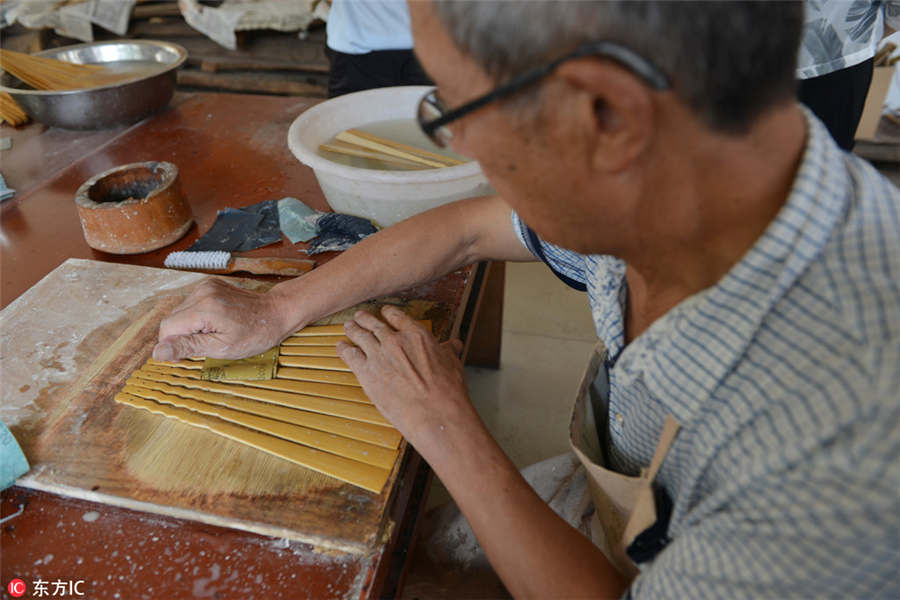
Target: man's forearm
{"x":414,"y":251}
{"x":535,"y":552}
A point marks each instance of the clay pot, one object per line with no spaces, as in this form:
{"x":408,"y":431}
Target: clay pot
{"x":133,"y":208}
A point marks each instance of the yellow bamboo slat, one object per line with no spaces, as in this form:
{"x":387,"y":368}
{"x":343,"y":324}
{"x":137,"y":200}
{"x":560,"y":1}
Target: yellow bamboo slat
{"x":315,"y":340}
{"x":317,"y":375}
{"x":352,"y":138}
{"x":181,"y":364}
{"x":365,"y":476}
{"x":406,"y":147}
{"x":323,"y":351}
{"x":322,"y":333}
{"x":282,"y":385}
{"x":324,"y":363}
{"x":328,"y":406}
{"x":336,"y":329}
{"x":364,"y":452}
{"x":354,"y":150}
{"x":386,"y":437}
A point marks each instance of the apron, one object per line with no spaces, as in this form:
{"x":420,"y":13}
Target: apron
{"x":624,"y":506}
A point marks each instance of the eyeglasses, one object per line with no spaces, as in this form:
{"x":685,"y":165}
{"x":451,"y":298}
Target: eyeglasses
{"x":434,"y":116}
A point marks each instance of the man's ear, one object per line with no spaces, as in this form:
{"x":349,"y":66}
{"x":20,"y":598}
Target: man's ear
{"x":615,"y":107}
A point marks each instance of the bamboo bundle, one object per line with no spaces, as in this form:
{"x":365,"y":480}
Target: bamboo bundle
{"x":354,"y":142}
{"x":10,"y":111}
{"x":51,"y":74}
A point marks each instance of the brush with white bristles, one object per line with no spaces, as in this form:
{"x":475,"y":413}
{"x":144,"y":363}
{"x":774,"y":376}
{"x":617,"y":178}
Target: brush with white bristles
{"x":219,"y":262}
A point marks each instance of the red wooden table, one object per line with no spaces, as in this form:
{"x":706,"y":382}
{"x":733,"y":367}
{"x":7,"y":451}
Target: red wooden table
{"x":231,"y":150}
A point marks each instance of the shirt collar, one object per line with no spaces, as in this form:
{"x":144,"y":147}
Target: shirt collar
{"x":686,"y":353}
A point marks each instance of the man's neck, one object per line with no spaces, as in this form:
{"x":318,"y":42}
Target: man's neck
{"x":728,"y":191}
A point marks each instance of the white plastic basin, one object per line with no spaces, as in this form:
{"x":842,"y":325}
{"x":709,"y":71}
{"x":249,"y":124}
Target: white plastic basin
{"x":385,"y":197}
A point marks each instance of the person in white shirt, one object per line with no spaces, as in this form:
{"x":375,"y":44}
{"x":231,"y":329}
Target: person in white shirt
{"x":835,"y":61}
{"x":370,"y":45}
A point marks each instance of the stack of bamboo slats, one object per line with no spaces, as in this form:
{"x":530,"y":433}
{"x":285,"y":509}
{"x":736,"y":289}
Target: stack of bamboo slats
{"x":354,"y":142}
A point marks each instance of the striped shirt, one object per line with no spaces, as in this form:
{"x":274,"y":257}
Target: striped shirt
{"x":785,"y":377}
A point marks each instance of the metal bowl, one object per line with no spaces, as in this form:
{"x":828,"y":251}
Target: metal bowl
{"x":152,"y":64}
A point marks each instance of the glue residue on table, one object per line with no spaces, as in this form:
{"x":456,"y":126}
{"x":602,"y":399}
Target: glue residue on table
{"x":42,"y":331}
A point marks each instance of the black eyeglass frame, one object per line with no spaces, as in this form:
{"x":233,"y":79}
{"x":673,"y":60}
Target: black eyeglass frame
{"x":640,"y":66}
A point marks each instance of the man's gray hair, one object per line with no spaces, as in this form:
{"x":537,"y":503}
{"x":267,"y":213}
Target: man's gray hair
{"x":728,"y":61}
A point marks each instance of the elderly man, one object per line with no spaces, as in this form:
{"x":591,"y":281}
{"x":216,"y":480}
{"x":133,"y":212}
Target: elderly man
{"x":740,"y":422}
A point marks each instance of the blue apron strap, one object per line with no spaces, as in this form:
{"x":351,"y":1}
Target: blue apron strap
{"x":534,"y":244}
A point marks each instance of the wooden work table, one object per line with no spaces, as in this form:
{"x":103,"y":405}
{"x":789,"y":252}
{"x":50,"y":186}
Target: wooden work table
{"x":231,"y":151}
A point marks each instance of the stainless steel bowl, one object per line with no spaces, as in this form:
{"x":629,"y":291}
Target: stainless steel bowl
{"x":152,"y":64}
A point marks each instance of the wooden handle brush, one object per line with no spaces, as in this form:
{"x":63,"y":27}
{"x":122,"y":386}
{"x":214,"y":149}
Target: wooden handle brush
{"x":222,"y":263}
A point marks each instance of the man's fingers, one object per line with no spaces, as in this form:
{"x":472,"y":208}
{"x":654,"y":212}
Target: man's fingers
{"x":398,"y":319}
{"x":373,"y":324}
{"x":183,"y":323}
{"x":350,"y":354}
{"x":455,"y":345}
{"x":363,"y":338}
{"x":176,"y":347}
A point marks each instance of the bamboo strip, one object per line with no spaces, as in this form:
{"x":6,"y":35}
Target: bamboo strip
{"x":322,"y":351}
{"x":186,"y":363}
{"x":364,"y":476}
{"x":360,"y":152}
{"x":315,"y":375}
{"x":328,"y":406}
{"x":329,"y":442}
{"x":326,"y":390}
{"x":312,"y":374}
{"x":336,"y":329}
{"x":449,"y":160}
{"x":281,"y":385}
{"x":313,"y":362}
{"x":315,"y":340}
{"x":386,"y":437}
{"x":350,"y":138}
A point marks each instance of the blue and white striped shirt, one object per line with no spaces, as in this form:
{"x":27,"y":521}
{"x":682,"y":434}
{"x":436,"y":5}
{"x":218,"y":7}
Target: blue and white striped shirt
{"x":785,"y":377}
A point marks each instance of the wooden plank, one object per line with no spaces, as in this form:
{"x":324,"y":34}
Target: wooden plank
{"x":260,"y":83}
{"x":156,"y":9}
{"x":483,"y":349}
{"x":214,"y":64}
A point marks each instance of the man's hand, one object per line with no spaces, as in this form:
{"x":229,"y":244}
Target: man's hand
{"x":417,"y":383}
{"x":219,"y":320}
